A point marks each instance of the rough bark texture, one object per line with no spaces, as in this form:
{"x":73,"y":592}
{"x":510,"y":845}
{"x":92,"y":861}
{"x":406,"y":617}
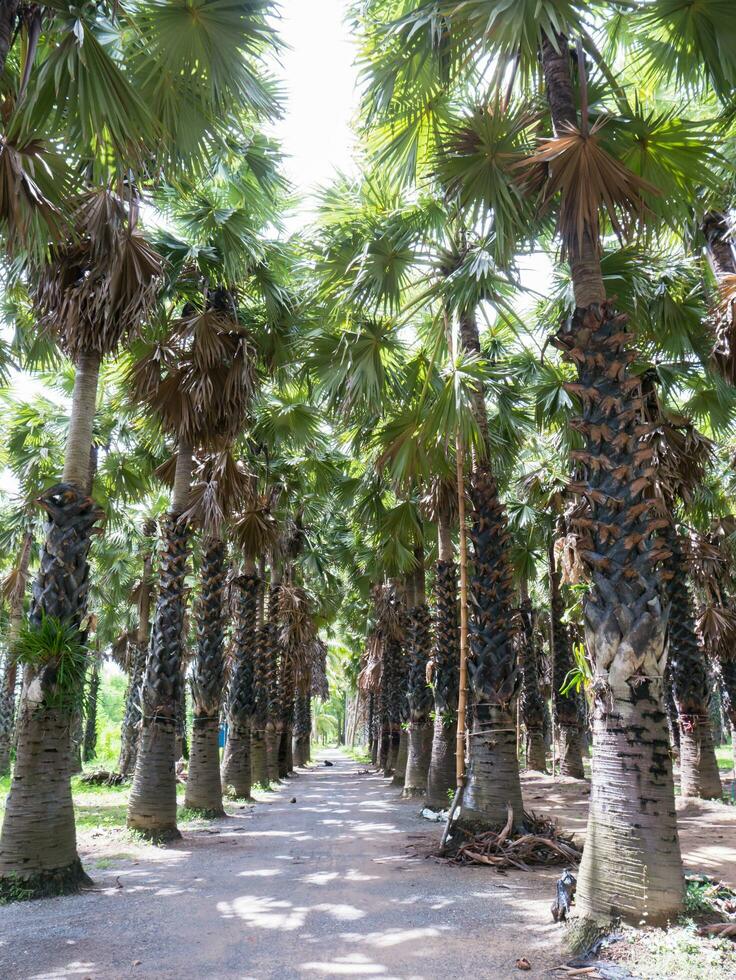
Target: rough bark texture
{"x":258,"y":757}
{"x":446,"y":662}
{"x":301,"y":730}
{"x":152,"y":805}
{"x":566,"y":707}
{"x":722,"y":256}
{"x":38,"y":842}
{"x":493,"y":772}
{"x":204,"y":790}
{"x":130,"y":729}
{"x":532,"y":703}
{"x":272,"y":666}
{"x":236,"y":767}
{"x":699,"y":774}
{"x":8,"y":681}
{"x":670,"y":707}
{"x":7,"y":711}
{"x":89,"y":746}
{"x":419,"y":702}
{"x":8,"y":15}
{"x":631,"y":863}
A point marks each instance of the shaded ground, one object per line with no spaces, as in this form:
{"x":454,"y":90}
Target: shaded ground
{"x":323,"y":887}
{"x":707,"y":829}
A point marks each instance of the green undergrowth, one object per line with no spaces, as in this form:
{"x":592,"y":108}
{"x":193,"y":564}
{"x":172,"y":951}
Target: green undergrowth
{"x":358,"y":753}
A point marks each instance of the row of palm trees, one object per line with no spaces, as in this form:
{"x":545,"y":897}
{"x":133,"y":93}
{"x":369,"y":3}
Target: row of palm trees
{"x":308,"y":405}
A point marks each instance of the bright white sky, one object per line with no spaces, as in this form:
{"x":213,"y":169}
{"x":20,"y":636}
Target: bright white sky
{"x":320,"y":81}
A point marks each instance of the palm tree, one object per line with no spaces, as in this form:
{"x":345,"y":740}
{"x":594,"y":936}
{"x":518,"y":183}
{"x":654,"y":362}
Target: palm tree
{"x":198,"y":380}
{"x":418,"y":693}
{"x":138,"y":649}
{"x":244,"y":761}
{"x":219,"y":487}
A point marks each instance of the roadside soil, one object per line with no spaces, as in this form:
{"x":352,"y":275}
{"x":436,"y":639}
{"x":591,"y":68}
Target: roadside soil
{"x":328,"y":886}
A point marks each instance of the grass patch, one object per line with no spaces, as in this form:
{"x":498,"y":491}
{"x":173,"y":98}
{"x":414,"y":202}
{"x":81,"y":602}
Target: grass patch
{"x":724,"y":757}
{"x":359,"y":754}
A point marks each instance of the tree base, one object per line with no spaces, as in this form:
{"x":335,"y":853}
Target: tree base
{"x":582,"y":933}
{"x":204,"y":813}
{"x":44,"y":884}
{"x":157,"y":835}
{"x":413,"y":793}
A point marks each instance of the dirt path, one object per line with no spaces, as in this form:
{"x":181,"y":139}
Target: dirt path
{"x":324,"y":887}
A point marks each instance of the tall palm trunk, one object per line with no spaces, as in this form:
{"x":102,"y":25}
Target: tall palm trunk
{"x":492,"y":782}
{"x":204,"y":789}
{"x":236,"y":764}
{"x":152,"y":804}
{"x":446,"y":662}
{"x":89,"y":745}
{"x":418,"y":692}
{"x":532,"y":703}
{"x":699,"y":776}
{"x":272,"y":664}
{"x":38,"y":841}
{"x":301,"y":730}
{"x":8,"y":15}
{"x":10,"y":672}
{"x":259,"y":769}
{"x":566,"y":707}
{"x":130,"y":730}
{"x":631,"y":864}
{"x":722,"y":255}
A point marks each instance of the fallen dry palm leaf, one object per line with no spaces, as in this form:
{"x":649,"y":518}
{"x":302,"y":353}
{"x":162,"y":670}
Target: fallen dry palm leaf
{"x":542,"y":844}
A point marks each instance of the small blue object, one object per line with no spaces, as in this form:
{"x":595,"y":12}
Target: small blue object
{"x":222,"y":736}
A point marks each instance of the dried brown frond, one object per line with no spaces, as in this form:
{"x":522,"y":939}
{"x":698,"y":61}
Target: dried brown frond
{"x":200,"y":381}
{"x":121,"y":649}
{"x":589,"y":181}
{"x":220,"y":486}
{"x":369,"y":678}
{"x":255,"y":530}
{"x":101,"y":283}
{"x":440,"y":502}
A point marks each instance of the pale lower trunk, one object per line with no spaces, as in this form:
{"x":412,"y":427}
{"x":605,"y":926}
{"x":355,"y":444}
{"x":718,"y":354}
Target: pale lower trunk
{"x":418,"y":758}
{"x":536,"y":753}
{"x":699,"y":775}
{"x":81,"y":420}
{"x":570,"y":752}
{"x":492,"y":783}
{"x":300,"y":750}
{"x":393,"y":751}
{"x":442,"y":777}
{"x":258,"y":763}
{"x":273,"y":744}
{"x":152,"y":806}
{"x":38,"y":846}
{"x":204,"y":789}
{"x":402,"y":753}
{"x":631,"y":864}
{"x":236,"y":763}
